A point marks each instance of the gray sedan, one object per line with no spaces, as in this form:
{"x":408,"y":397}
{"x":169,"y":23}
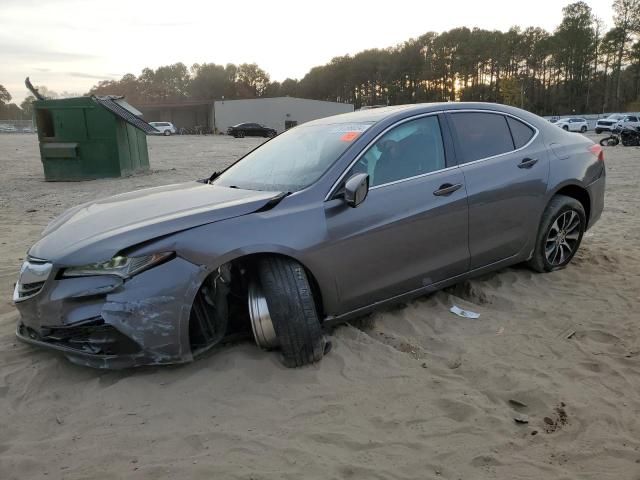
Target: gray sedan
{"x":324,"y":223}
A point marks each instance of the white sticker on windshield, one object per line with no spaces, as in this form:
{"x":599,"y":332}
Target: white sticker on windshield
{"x":350,"y":127}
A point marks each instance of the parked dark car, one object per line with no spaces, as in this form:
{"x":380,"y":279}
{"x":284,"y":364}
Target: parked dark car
{"x":251,"y":130}
{"x":324,"y":223}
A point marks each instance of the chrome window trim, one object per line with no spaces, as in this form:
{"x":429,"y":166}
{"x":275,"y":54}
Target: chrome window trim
{"x":535,"y":134}
{"x":414,"y":177}
{"x":375,"y":139}
{"x":415,"y":117}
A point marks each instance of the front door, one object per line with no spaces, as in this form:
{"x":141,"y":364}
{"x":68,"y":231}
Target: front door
{"x":411,"y":230}
{"x":506,"y":168}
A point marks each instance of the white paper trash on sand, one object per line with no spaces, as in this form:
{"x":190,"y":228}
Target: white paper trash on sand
{"x":464,"y":313}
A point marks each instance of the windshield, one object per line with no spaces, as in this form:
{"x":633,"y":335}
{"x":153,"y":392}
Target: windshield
{"x":292,"y":160}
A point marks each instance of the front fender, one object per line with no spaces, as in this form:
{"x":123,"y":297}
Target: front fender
{"x":213,"y":245}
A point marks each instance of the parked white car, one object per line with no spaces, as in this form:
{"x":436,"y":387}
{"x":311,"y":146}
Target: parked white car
{"x":609,"y":123}
{"x":5,"y":128}
{"x":165,"y":128}
{"x":573,"y":124}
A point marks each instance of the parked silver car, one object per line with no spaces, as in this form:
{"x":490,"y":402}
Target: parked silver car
{"x":631,"y":121}
{"x":326,"y":222}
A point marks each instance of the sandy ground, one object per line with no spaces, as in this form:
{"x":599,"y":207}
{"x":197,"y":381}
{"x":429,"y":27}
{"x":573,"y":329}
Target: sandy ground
{"x":415,"y":393}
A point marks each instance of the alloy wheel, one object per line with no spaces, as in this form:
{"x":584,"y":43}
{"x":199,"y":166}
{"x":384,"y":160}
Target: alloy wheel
{"x":563,"y":237}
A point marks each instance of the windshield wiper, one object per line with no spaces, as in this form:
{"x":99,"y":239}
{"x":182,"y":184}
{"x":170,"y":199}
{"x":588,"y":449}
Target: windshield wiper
{"x":213,"y":176}
{"x":272,"y":202}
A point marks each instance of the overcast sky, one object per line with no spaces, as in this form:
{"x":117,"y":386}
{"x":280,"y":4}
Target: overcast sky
{"x":72,"y":44}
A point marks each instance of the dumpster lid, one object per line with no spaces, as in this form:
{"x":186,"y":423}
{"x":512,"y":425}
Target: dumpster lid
{"x":116,"y":106}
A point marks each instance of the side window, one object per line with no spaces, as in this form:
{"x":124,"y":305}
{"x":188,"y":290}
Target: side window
{"x":410,"y":149}
{"x":481,"y":135}
{"x":520,"y":132}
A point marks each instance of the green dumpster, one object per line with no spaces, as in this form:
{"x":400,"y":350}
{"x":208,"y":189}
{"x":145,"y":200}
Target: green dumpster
{"x":85,"y":138}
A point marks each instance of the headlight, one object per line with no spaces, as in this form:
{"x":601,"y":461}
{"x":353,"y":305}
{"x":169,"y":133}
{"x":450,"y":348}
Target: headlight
{"x":121,"y":266}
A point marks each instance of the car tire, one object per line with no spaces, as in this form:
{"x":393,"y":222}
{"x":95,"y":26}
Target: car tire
{"x":240,"y":135}
{"x":583,"y":129}
{"x":565,"y":128}
{"x":609,"y":141}
{"x":293,"y":312}
{"x":598,"y":131}
{"x":558,"y":239}
{"x":167,"y":133}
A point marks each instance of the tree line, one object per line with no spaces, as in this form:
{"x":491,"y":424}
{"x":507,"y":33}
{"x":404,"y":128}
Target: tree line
{"x":578,"y":68}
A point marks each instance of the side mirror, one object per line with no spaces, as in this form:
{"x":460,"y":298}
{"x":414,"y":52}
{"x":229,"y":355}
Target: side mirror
{"x":356,"y":189}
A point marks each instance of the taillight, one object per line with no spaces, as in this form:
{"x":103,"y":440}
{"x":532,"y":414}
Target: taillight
{"x":597,"y":151}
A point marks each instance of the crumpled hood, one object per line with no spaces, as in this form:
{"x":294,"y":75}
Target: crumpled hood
{"x":96,"y":231}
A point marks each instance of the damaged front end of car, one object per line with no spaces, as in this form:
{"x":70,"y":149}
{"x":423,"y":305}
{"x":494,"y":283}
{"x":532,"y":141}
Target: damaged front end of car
{"x":142,"y":301}
{"x":109,"y":318}
{"x":167,"y":313}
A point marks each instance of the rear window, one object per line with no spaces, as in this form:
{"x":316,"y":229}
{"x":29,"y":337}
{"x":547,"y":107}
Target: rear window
{"x":520,"y":132}
{"x":481,"y":135}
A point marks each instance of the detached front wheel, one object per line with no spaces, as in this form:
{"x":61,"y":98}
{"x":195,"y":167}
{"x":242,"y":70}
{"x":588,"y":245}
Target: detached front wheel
{"x":561,"y":228}
{"x":283,"y":312}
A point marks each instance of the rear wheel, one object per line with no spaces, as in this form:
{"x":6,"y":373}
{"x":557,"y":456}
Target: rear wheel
{"x":167,"y":133}
{"x":583,"y":129}
{"x":283,"y":312}
{"x":561,"y":228}
{"x":565,"y":128}
{"x":598,"y":131}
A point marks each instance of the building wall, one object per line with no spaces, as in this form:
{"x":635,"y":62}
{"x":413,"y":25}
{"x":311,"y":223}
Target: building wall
{"x":187,"y":116}
{"x":273,"y":112}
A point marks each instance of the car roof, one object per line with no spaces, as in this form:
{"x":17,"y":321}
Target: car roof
{"x":398,"y":112}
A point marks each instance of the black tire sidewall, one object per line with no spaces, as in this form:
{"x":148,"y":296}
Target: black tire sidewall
{"x":292,"y":308}
{"x":558,"y":205}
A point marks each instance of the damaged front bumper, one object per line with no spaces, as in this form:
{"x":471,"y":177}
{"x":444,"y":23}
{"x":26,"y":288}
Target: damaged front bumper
{"x":104,"y":321}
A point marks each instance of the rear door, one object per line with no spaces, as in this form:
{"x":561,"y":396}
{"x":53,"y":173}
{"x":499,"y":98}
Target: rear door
{"x":411,"y":230}
{"x":506,"y":168}
{"x":253,"y":129}
{"x":573,"y":124}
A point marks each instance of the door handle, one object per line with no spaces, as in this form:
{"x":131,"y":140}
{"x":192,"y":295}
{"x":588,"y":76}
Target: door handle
{"x":447,"y":189}
{"x":527,"y":163}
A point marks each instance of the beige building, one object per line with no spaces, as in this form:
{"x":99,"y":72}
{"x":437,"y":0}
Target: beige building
{"x":278,"y":113}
